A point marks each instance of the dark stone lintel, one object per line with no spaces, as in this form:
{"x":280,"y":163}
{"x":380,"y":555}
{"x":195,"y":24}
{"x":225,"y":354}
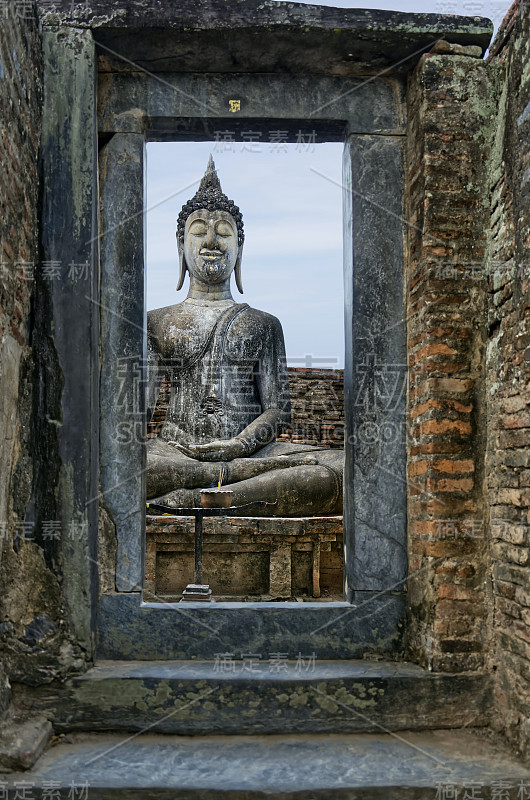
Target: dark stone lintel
{"x":200,"y":36}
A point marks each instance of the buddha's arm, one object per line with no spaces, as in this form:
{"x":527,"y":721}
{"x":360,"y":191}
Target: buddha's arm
{"x":155,"y":373}
{"x":273,"y":386}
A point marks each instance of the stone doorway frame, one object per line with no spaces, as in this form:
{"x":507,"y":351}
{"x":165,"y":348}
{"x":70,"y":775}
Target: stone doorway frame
{"x":126,"y":110}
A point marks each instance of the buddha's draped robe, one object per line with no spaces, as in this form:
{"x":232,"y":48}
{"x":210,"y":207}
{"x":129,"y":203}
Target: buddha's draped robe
{"x":223,"y":374}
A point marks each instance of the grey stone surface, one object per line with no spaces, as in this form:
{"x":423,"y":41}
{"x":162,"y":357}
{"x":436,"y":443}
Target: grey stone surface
{"x":375,"y":372}
{"x":5,"y":692}
{"x":358,"y":767}
{"x":182,"y":106}
{"x":251,"y":36}
{"x":266,"y":695}
{"x":470,"y":51}
{"x":122,"y":390}
{"x":129,"y":629}
{"x":38,"y":629}
{"x":22,"y":742}
{"x":67,"y":475}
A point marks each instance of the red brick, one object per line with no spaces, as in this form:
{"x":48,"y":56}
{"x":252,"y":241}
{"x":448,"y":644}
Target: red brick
{"x":434,"y":349}
{"x":450,"y":385}
{"x":449,"y":506}
{"x":435,"y":426}
{"x":520,"y":420}
{"x":450,"y":466}
{"x":437,"y":447}
{"x":515,"y":403}
{"x":456,"y":609}
{"x":450,"y":591}
{"x":450,"y":484}
{"x":417,"y":468}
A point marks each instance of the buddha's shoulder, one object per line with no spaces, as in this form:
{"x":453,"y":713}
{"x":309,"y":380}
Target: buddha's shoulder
{"x":159,"y":319}
{"x":166,"y":311}
{"x":259,"y":319}
{"x":253,"y":334}
{"x":186,"y":317}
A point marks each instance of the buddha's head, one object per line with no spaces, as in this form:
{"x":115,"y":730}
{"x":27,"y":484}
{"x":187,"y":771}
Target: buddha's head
{"x":210,"y":234}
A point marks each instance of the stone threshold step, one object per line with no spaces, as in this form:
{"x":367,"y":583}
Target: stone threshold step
{"x":368,"y":767}
{"x":207,"y":697}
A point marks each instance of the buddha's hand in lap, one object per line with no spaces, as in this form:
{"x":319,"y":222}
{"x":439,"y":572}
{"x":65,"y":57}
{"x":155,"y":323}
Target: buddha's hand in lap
{"x":218,"y":450}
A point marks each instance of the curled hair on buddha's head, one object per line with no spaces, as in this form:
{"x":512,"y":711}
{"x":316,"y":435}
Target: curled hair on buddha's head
{"x":210,"y":196}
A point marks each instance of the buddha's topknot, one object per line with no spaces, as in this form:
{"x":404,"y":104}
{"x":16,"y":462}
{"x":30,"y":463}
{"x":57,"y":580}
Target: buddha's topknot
{"x":210,"y":196}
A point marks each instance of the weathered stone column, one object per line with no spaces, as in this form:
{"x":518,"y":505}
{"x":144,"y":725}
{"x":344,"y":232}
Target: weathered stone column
{"x":67,"y":308}
{"x":375,"y":367}
{"x":122,"y":395}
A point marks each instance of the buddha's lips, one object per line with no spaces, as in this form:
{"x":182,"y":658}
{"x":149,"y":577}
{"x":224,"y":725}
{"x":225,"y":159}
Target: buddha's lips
{"x":212,"y":263}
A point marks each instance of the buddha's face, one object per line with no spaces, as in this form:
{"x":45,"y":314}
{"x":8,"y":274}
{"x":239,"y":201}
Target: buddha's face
{"x":210,"y":245}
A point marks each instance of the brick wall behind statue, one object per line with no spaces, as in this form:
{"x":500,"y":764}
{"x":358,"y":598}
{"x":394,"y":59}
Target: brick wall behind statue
{"x":507,"y":474}
{"x":317,"y":402}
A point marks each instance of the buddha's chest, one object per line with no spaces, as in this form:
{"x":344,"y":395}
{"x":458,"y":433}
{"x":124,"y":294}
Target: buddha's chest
{"x":191,"y":338}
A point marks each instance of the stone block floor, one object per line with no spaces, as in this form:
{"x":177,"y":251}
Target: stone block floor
{"x":433,"y":765}
{"x":262,"y":696}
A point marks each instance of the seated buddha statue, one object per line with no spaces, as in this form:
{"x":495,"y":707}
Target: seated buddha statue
{"x":229,"y":391}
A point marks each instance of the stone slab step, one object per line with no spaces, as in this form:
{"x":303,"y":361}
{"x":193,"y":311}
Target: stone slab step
{"x":404,"y":766}
{"x":274,"y":696}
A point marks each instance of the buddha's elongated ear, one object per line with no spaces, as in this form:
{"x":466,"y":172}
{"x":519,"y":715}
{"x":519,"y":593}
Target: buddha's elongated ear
{"x":237,"y":270}
{"x":182,"y":264}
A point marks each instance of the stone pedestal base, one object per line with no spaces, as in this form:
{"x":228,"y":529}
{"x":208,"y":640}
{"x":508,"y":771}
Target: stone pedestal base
{"x":247,"y":557}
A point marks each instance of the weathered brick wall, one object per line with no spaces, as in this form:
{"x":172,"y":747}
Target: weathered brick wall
{"x":450,"y":112}
{"x":317,"y":400}
{"x":33,"y":646}
{"x":468,"y":281}
{"x":507,"y":475}
{"x":20,"y":88}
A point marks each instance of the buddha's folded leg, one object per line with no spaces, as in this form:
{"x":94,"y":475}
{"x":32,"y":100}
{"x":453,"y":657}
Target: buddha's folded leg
{"x":241,"y":469}
{"x":180,"y":498}
{"x":295,"y":483}
{"x":249,"y":479}
{"x":168,"y":469}
{"x":297,"y":491}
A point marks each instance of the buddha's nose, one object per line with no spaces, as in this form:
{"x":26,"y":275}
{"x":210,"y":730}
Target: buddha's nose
{"x":211,"y":240}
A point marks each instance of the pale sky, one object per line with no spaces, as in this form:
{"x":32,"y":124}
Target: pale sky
{"x":292,"y":258}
